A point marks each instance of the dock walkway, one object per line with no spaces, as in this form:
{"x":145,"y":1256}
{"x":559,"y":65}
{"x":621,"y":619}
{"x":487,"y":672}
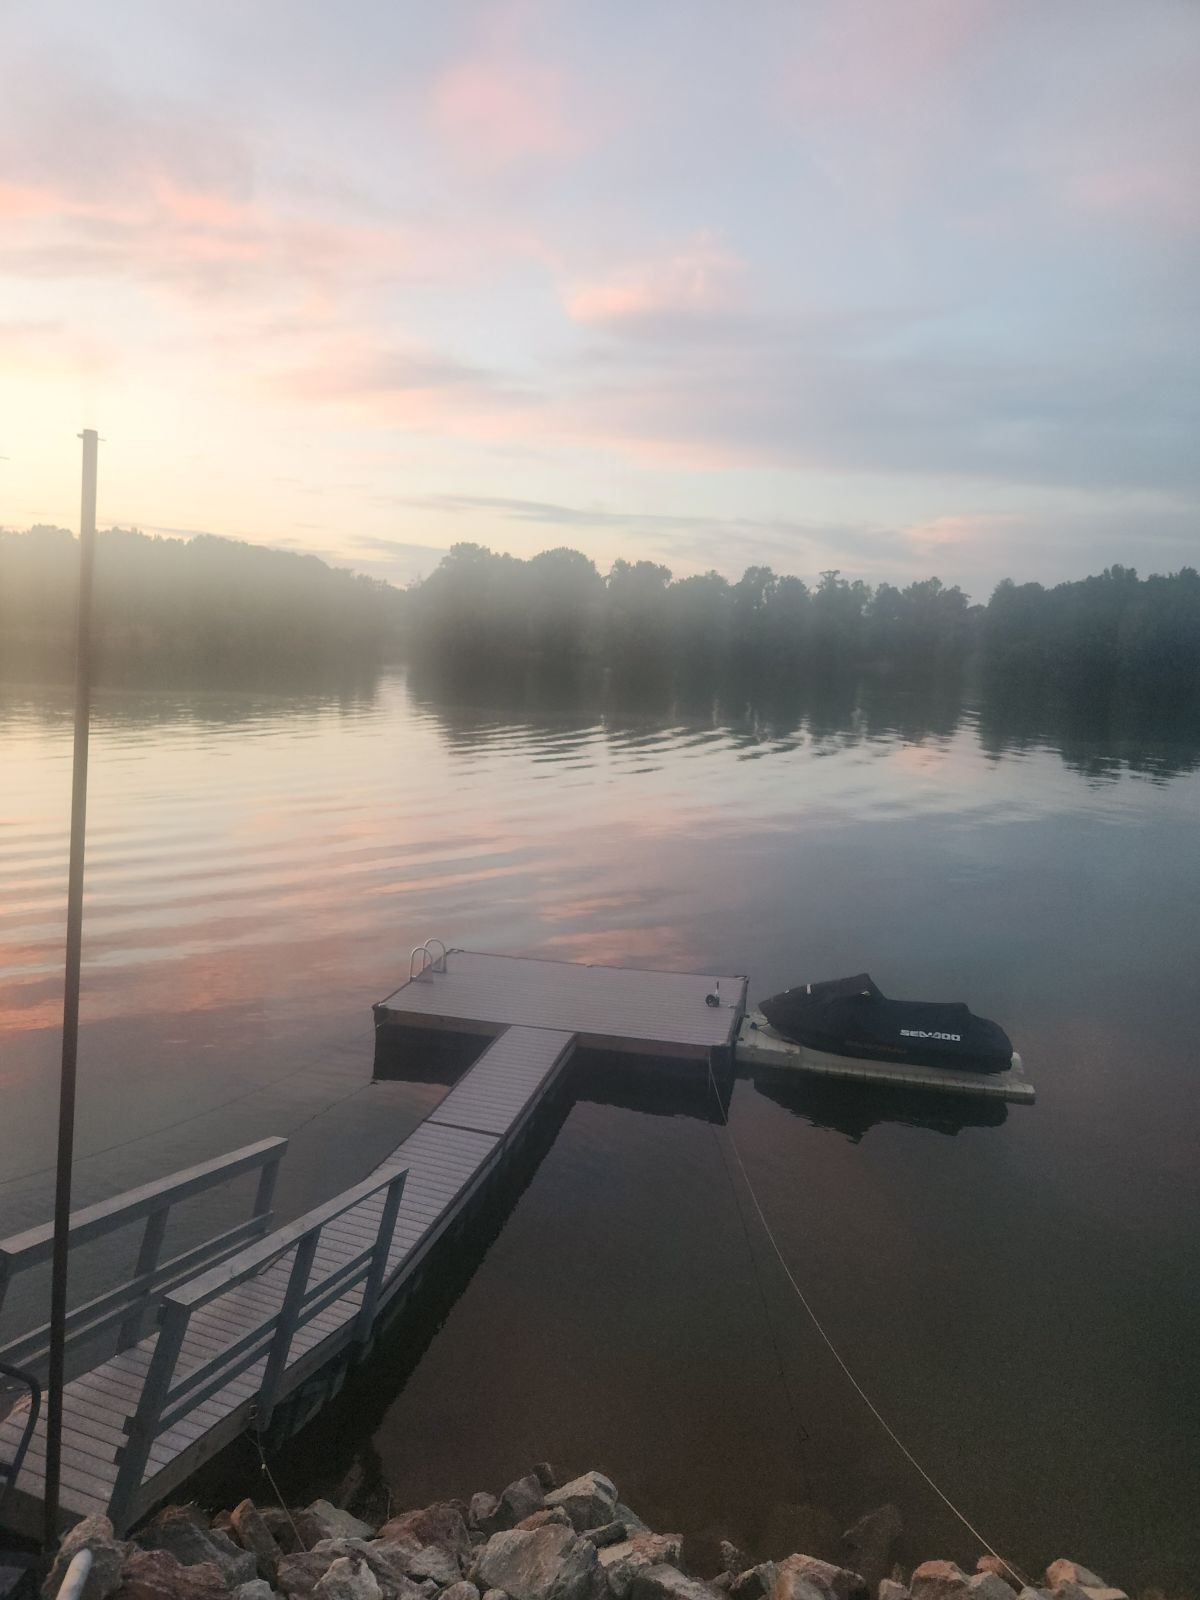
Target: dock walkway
{"x":442,"y":1162}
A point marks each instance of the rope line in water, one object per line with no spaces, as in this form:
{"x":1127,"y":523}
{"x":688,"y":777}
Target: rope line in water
{"x":802,"y":1434}
{"x":836,"y":1354}
{"x":256,"y":1435}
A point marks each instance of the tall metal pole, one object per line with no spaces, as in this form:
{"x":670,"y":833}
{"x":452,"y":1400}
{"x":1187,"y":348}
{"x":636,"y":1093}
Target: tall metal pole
{"x":70,"y":1043}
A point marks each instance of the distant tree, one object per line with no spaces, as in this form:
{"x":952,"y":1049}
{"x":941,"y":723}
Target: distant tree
{"x":636,"y":608}
{"x":202,"y":604}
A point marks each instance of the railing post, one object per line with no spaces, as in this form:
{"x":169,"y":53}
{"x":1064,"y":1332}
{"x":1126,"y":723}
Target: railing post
{"x":152,"y":1238}
{"x":143,"y":1425}
{"x":285,"y":1327}
{"x":265,"y":1194}
{"x":379,"y":1258}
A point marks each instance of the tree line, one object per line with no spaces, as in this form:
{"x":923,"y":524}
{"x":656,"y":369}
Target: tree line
{"x":479,"y":606}
{"x":205,"y":606}
{"x":221,"y":607}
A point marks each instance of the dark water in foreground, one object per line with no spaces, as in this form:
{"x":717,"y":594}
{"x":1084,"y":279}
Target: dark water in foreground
{"x":1017,"y":1290}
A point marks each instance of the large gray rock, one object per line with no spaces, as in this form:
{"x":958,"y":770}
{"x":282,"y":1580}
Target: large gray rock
{"x":632,"y":1521}
{"x":988,"y":1586}
{"x":889,"y":1589}
{"x":799,"y":1575}
{"x":664,"y":1582}
{"x":324,"y":1520}
{"x":278,"y":1523}
{"x":108,"y":1556}
{"x":1003,"y":1572}
{"x":754,"y":1582}
{"x":157,"y":1575}
{"x":870,"y":1542}
{"x":482,"y":1510}
{"x":938,"y":1580}
{"x":520,"y":1500}
{"x":256,"y":1589}
{"x":252,"y":1533}
{"x":589,"y":1500}
{"x":545,"y":1564}
{"x":621,"y":1563}
{"x":387,"y":1563}
{"x":180,"y":1532}
{"x":300,"y":1572}
{"x":348,"y":1579}
{"x":547,"y":1517}
{"x":460,"y":1591}
{"x":1079,"y":1591}
{"x":442,"y":1524}
{"x":608,"y":1533}
{"x":1063,"y":1571}
{"x":733,"y":1561}
{"x":421,"y":1561}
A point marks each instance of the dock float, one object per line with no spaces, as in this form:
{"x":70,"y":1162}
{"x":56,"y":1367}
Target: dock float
{"x":758,"y":1046}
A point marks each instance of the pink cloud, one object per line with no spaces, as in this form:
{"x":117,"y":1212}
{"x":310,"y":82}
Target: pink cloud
{"x":1141,"y":192}
{"x":494,"y":112}
{"x":861,"y":58}
{"x":19,"y":202}
{"x":197,"y":241}
{"x":50,"y":349}
{"x":700,"y":277}
{"x":958,"y":528}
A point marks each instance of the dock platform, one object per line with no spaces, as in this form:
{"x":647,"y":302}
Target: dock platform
{"x":758,"y":1045}
{"x":605,"y":1008}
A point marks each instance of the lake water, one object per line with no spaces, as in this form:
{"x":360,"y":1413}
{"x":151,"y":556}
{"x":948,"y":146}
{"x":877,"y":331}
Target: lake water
{"x":1017,"y":1288}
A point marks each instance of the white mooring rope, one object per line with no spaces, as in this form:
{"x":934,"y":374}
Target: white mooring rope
{"x":834,"y":1352}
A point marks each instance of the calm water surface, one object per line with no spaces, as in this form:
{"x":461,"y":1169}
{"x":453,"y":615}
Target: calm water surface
{"x":1018,"y":1289}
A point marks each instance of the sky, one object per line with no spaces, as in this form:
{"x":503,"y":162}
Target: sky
{"x":895,"y":286}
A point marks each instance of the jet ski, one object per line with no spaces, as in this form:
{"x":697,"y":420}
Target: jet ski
{"x":853,"y":1017}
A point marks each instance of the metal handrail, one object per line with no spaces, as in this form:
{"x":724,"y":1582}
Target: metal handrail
{"x":10,"y":1469}
{"x":126,"y":1305}
{"x":429,"y":962}
{"x":164,"y":1400}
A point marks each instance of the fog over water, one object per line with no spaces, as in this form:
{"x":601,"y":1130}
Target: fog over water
{"x":1011,"y":1284}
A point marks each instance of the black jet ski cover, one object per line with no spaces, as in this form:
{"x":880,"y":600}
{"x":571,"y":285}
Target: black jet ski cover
{"x":853,"y":1017}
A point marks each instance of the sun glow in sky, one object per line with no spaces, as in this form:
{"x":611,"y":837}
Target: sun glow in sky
{"x":895,"y":287}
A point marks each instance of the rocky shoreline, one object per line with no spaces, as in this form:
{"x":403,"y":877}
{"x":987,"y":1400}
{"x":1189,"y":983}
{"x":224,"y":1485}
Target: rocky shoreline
{"x":537,"y":1540}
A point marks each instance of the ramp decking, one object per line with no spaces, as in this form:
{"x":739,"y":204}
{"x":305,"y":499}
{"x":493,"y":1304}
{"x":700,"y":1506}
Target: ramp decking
{"x":443,"y":1162}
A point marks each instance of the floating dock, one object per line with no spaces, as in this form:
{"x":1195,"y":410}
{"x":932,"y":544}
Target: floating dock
{"x":257,"y":1327}
{"x":256,"y":1323}
{"x":758,"y":1045}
